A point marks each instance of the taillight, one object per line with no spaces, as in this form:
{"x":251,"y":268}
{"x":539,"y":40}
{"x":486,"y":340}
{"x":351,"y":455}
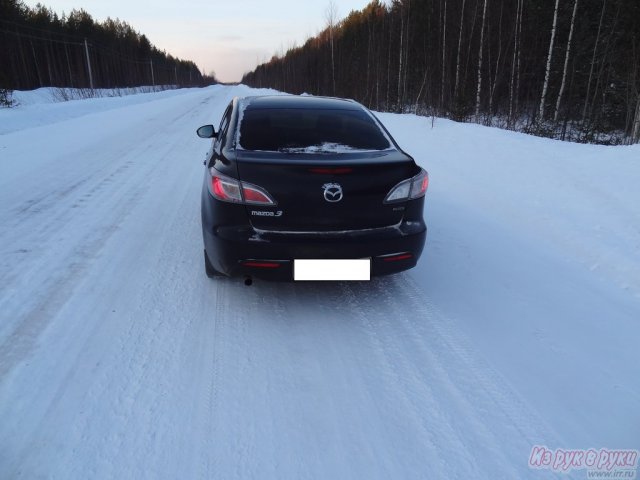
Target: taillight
{"x":256,"y":195}
{"x":226,"y":189}
{"x":409,"y":189}
{"x":229,"y":189}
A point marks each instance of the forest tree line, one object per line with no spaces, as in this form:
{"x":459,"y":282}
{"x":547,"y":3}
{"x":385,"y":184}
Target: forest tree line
{"x":566,"y":69}
{"x":41,"y":49}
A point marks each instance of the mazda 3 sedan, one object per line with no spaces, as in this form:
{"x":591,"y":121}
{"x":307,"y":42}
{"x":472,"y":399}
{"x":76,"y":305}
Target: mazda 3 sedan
{"x":308,"y":188}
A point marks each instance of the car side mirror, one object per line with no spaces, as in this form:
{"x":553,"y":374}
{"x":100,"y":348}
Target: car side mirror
{"x":206,"y":131}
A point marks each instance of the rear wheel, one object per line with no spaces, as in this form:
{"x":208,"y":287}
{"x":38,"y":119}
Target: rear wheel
{"x":208,"y":268}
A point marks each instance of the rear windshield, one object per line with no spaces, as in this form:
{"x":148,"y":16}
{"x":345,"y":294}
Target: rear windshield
{"x":310,"y":131}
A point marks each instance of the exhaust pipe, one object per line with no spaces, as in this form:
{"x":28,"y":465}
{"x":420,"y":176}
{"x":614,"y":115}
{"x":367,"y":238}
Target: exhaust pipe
{"x":248,"y":281}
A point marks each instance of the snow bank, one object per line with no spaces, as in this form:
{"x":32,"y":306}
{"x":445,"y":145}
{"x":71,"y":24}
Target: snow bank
{"x":534,"y":250}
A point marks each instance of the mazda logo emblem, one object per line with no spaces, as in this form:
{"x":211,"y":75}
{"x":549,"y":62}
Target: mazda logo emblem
{"x":332,"y":192}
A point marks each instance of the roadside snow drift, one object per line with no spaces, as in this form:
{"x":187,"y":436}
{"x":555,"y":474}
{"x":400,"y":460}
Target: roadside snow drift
{"x":120,"y":359}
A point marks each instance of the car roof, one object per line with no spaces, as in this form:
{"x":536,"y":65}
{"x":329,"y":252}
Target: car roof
{"x":299,"y":101}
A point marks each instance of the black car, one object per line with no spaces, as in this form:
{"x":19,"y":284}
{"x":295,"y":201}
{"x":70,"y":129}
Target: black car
{"x":304,"y":188}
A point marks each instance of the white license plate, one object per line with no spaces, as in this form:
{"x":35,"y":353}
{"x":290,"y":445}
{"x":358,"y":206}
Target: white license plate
{"x":335,"y":269}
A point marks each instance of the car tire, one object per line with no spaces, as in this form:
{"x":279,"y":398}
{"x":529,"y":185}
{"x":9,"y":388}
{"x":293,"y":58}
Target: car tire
{"x":208,"y":268}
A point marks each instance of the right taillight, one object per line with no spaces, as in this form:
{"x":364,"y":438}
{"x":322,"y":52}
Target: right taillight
{"x":229,"y":189}
{"x":410,"y":189}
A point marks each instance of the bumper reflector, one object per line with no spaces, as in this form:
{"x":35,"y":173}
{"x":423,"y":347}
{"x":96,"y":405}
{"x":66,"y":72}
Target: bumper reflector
{"x":395,"y":258}
{"x":261,"y":264}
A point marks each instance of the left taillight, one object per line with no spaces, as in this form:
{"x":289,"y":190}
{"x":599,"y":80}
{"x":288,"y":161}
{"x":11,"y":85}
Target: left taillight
{"x":409,"y":189}
{"x":231,"y":190}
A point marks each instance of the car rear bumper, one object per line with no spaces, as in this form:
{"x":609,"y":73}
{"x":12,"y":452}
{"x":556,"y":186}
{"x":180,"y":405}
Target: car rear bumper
{"x":243,"y":250}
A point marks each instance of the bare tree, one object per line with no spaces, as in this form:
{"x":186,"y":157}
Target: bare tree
{"x":407,"y":50}
{"x":455,"y":88}
{"x":545,"y":86}
{"x":400,"y":57}
{"x":494,"y":84}
{"x":603,"y":74}
{"x":515,"y":65}
{"x":389,"y":63}
{"x":331,"y":16}
{"x":566,"y":62}
{"x":470,"y":44}
{"x":444,"y":48}
{"x":593,"y":61}
{"x":635,"y":132}
{"x":424,"y":82}
{"x":479,"y":89}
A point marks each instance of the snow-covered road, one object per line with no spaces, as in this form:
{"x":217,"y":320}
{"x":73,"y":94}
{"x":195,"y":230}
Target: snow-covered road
{"x":120,"y":359}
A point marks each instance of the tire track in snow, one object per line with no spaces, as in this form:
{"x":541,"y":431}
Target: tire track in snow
{"x":79,"y":363}
{"x":445,"y":398}
{"x":208,"y":466}
{"x":472,"y":400}
{"x":151,"y":349}
{"x":419,"y":363}
{"x":394,"y":386}
{"x":476,"y":369}
{"x":78,"y":213}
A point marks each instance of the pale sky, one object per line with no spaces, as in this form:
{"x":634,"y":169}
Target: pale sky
{"x":229,"y":37}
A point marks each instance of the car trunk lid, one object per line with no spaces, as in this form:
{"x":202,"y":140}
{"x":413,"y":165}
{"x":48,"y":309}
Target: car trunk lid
{"x":325,"y":192}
